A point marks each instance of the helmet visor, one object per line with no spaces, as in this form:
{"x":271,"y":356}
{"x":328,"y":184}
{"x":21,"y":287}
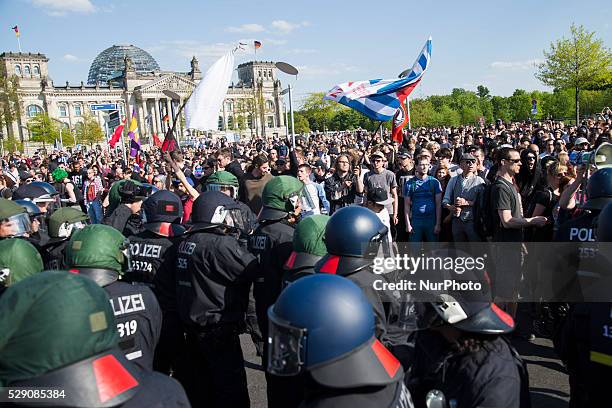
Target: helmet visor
{"x":4,"y":276}
{"x":231,"y":217}
{"x":223,"y":187}
{"x":17,"y":225}
{"x":286,"y":347}
{"x":127,"y":255}
{"x":67,"y":229}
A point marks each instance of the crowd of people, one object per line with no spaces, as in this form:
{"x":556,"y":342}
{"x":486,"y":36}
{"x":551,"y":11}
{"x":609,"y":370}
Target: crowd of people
{"x":155,"y":266}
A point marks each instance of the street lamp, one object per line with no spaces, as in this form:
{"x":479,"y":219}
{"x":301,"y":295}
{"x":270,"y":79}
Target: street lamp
{"x":60,"y":130}
{"x":175,"y":97}
{"x":290,"y":70}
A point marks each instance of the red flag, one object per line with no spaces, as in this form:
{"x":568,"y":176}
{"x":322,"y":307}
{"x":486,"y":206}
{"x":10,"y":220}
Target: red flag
{"x":169,"y":144}
{"x":166,"y":118}
{"x":156,"y":141}
{"x":399,"y":121}
{"x":116,"y":136}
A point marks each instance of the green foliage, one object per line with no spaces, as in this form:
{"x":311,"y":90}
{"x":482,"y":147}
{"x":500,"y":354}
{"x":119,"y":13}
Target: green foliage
{"x":579,"y":62}
{"x":88,"y":131}
{"x":10,"y":109}
{"x":43,"y":129}
{"x":301,"y":123}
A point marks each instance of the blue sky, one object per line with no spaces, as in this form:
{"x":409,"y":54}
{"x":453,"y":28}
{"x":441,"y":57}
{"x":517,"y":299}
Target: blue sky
{"x":492,"y":43}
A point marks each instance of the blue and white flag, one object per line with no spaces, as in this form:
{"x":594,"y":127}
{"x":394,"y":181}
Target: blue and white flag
{"x":379,"y":99}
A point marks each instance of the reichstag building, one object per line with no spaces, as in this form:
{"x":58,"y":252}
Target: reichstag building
{"x":129,"y":76}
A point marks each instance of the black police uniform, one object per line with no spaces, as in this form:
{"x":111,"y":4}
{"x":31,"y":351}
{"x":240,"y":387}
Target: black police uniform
{"x":272,"y":243}
{"x":584,"y":344}
{"x":153,"y":259}
{"x":213,"y":272}
{"x":299,"y":265}
{"x":493,"y":376}
{"x":394,"y":395}
{"x":137,"y":313}
{"x":139,"y":321}
{"x":53,"y":254}
{"x":123,"y":220}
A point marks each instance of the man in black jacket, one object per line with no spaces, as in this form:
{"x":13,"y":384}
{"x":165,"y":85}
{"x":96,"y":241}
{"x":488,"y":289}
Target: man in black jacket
{"x":213,"y":273}
{"x":225,"y":161}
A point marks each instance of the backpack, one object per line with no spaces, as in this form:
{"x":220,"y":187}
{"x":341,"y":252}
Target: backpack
{"x":484,"y":216}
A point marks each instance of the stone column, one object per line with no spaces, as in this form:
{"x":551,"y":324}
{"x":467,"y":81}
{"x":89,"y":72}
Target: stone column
{"x":142,"y":129}
{"x":169,"y":111}
{"x":157,"y":118}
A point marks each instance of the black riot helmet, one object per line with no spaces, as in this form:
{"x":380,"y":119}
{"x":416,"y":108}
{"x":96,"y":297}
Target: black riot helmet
{"x":214,"y":209}
{"x":162,"y":213}
{"x":599,"y":189}
{"x":604,"y":224}
{"x":353,"y":237}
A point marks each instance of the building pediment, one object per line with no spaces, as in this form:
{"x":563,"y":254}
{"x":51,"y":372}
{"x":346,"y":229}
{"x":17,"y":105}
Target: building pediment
{"x":174,"y":83}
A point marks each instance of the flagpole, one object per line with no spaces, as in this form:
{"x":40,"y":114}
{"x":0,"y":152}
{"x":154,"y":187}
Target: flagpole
{"x":19,"y":43}
{"x":408,"y":113}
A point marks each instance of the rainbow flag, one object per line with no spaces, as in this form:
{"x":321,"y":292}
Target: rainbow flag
{"x":134,"y":136}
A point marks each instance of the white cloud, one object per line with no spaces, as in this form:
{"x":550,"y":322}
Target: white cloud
{"x":62,"y":7}
{"x":246,"y":28}
{"x":286,"y":27}
{"x":516,"y":65}
{"x":71,"y":58}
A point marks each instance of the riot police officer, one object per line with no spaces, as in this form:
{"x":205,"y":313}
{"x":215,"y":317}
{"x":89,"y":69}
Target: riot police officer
{"x":46,"y":198}
{"x":213,"y":272}
{"x":61,"y":225}
{"x":101,"y":253}
{"x":14,"y":220}
{"x":599,"y":193}
{"x":321,"y":328}
{"x":584,"y":341}
{"x":272,"y":243}
{"x":153,"y":263}
{"x":308,"y":248}
{"x":227,"y":183}
{"x":461,"y":353}
{"x":37,"y":217}
{"x":353,"y":237}
{"x":18,"y":260}
{"x":126,"y":216}
{"x":57,"y":332}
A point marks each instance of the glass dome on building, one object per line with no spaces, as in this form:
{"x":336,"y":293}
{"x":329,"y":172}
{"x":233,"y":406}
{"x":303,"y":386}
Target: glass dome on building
{"x":110,"y":63}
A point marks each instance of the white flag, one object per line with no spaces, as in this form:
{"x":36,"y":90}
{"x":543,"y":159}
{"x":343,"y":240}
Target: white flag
{"x":202,"y":108}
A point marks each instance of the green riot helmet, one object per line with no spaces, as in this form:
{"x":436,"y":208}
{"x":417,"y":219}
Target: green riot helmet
{"x":222,"y":180}
{"x":14,"y":220}
{"x":281,"y":196}
{"x":99,"y":251}
{"x":18,"y":260}
{"x":63,"y":222}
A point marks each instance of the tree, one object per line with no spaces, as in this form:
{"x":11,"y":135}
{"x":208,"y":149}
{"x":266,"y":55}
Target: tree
{"x":483,"y":92}
{"x":579,"y":62}
{"x":89,"y":131}
{"x":301,"y":123}
{"x":43,"y":129}
{"x":319,"y":112}
{"x":10,"y":107}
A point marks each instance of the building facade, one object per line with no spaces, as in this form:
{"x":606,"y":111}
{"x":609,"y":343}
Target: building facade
{"x":253,"y":106}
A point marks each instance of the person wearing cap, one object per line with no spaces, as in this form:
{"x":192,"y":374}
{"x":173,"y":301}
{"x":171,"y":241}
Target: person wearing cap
{"x":126,"y":216}
{"x":581,"y":144}
{"x":377,"y":200}
{"x":57,"y":331}
{"x":379,"y":176}
{"x":61,"y":225}
{"x":459,"y":198}
{"x":320,"y":171}
{"x":18,"y":260}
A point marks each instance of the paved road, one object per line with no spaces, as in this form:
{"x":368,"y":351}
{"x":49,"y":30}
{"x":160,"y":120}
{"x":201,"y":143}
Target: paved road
{"x":548,"y":380}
